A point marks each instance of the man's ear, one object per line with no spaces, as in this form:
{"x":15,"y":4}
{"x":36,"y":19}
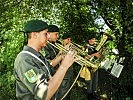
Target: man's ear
{"x":48,"y":35}
{"x":34,"y":34}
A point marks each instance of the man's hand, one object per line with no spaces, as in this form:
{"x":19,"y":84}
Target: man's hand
{"x":69,"y":59}
{"x":97,"y":54}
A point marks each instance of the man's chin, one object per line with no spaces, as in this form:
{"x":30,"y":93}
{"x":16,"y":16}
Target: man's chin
{"x":54,"y":40}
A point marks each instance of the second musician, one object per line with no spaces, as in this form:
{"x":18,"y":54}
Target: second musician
{"x":53,"y":55}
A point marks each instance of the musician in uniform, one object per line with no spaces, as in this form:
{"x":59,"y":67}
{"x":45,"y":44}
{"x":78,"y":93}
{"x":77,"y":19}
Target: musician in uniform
{"x":92,"y":52}
{"x":31,"y":69}
{"x":52,"y":53}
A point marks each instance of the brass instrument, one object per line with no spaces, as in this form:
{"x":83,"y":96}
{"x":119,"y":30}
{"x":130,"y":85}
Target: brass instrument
{"x":84,"y":72}
{"x":77,"y":46}
{"x":81,"y":61}
{"x":105,"y":37}
{"x":80,"y":49}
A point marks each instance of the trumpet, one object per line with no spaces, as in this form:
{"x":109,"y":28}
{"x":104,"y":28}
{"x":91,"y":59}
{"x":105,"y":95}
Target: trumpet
{"x":81,"y":61}
{"x":80,"y":49}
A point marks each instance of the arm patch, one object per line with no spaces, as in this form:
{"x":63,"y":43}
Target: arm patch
{"x":31,"y":76}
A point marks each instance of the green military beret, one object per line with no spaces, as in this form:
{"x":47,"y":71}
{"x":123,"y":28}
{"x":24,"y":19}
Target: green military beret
{"x":35,"y":26}
{"x":66,"y":35}
{"x":53,"y":28}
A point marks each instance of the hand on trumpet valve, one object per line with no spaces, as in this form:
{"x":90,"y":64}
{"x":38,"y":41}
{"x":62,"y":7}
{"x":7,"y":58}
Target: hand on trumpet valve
{"x":69,"y":58}
{"x":62,"y":54}
{"x":69,"y":46}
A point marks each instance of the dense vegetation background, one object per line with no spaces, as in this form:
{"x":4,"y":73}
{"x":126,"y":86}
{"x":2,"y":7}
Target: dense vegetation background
{"x":75,"y":16}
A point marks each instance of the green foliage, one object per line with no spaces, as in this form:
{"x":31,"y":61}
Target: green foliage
{"x":7,"y":85}
{"x":75,"y":17}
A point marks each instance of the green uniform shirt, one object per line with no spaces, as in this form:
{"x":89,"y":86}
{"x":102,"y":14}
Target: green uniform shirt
{"x":31,"y":76}
{"x":50,"y":52}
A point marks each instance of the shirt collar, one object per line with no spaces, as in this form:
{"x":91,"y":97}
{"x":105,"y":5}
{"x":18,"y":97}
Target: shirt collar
{"x":30,"y":49}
